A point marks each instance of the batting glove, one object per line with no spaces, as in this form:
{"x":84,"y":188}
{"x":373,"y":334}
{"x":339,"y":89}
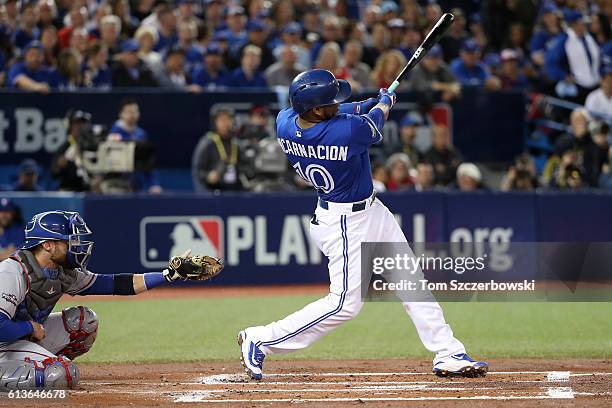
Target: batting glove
{"x":387,"y":97}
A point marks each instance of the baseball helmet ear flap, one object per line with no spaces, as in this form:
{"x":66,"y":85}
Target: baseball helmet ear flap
{"x":344,"y":91}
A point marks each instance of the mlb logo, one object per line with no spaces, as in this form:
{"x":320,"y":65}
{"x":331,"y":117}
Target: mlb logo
{"x":161,"y":238}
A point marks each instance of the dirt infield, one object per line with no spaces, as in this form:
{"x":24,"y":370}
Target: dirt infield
{"x":374,"y":383}
{"x":575,"y":382}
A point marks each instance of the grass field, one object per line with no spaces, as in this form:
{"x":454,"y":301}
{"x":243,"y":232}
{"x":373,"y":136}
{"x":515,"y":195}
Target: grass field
{"x":192,"y":329}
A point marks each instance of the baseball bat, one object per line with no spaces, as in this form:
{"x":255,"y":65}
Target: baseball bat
{"x":432,"y":38}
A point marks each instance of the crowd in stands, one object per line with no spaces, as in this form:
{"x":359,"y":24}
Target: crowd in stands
{"x":552,"y":45}
{"x":562,"y":48}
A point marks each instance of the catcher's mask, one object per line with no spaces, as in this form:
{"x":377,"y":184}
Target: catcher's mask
{"x":61,"y":226}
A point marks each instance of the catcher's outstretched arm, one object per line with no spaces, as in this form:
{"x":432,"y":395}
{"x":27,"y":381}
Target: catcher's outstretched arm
{"x":184,"y":267}
{"x":123,"y":284}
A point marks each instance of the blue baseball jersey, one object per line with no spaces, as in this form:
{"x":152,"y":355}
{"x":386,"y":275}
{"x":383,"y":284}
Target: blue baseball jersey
{"x":332,"y":155}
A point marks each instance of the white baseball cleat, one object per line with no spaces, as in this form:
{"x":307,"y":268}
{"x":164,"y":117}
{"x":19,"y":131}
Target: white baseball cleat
{"x":460,"y":365}
{"x":251,"y":356}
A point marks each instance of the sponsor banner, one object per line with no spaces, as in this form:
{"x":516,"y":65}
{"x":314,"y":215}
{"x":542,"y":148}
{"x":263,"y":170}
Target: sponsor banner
{"x":264,"y":239}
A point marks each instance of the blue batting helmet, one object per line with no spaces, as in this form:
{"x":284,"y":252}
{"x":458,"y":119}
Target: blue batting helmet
{"x":317,"y":87}
{"x":61,"y":226}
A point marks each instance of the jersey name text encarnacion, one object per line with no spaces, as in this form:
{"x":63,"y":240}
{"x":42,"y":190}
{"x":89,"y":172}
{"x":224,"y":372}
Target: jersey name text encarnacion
{"x":321,"y":152}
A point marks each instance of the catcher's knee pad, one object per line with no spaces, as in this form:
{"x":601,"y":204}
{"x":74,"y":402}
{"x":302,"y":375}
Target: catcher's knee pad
{"x":81,"y":323}
{"x":55,"y":373}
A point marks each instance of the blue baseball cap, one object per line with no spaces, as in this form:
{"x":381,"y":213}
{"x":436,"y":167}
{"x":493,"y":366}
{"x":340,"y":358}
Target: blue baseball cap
{"x":549,"y":8}
{"x":28,"y":166}
{"x":409,"y":121}
{"x":213,"y":49}
{"x":7,"y":205}
{"x":293,"y":28}
{"x":435,"y":52}
{"x":388,"y":7}
{"x":130,"y":46}
{"x":222,"y":35}
{"x":33,"y":44}
{"x":571,"y":16}
{"x":256,"y":25}
{"x":470,"y":45}
{"x":265,"y":13}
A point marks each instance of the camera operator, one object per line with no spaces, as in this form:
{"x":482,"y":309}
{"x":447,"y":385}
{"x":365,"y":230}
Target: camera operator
{"x":215,"y":158}
{"x":263,"y":163}
{"x":67,"y":166}
{"x":126,"y":129}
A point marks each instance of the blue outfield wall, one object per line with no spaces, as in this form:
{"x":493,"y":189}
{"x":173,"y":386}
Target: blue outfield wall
{"x":264,"y":239}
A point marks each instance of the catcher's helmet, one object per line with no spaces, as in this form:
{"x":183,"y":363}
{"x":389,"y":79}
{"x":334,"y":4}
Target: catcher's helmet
{"x":61,"y":226}
{"x":317,"y":87}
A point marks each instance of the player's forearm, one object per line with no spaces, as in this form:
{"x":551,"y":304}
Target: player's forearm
{"x":124,"y":284}
{"x":12,"y":331}
{"x":378,"y":114}
{"x":356,"y":108}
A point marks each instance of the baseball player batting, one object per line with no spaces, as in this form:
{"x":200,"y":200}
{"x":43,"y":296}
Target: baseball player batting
{"x":36,"y":346}
{"x":327,"y":143}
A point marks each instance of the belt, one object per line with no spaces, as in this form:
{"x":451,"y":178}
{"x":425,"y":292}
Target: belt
{"x":359,"y":206}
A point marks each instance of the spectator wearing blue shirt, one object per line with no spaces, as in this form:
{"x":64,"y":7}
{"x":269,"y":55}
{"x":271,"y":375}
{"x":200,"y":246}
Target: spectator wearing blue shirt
{"x":11,"y":230}
{"x":235,"y":28}
{"x":258,"y":36}
{"x":291,"y":35}
{"x":30,"y":74}
{"x":548,"y":28}
{"x":95,"y":73}
{"x":27,"y":177}
{"x":187,"y":33}
{"x":574,"y":59}
{"x":468,"y":69}
{"x":221,"y":38}
{"x":27,"y":31}
{"x":248,"y":75}
{"x":167,"y":30}
{"x":126,"y":129}
{"x":212,"y":75}
{"x":214,"y":13}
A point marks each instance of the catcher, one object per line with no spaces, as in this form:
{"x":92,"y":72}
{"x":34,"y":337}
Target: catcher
{"x":36,"y":346}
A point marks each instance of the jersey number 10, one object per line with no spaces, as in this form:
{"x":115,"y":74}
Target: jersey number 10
{"x":317,"y":175}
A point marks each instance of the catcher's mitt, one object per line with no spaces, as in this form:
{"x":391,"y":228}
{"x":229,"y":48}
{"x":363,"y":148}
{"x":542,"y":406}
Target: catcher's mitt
{"x":196,"y":267}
